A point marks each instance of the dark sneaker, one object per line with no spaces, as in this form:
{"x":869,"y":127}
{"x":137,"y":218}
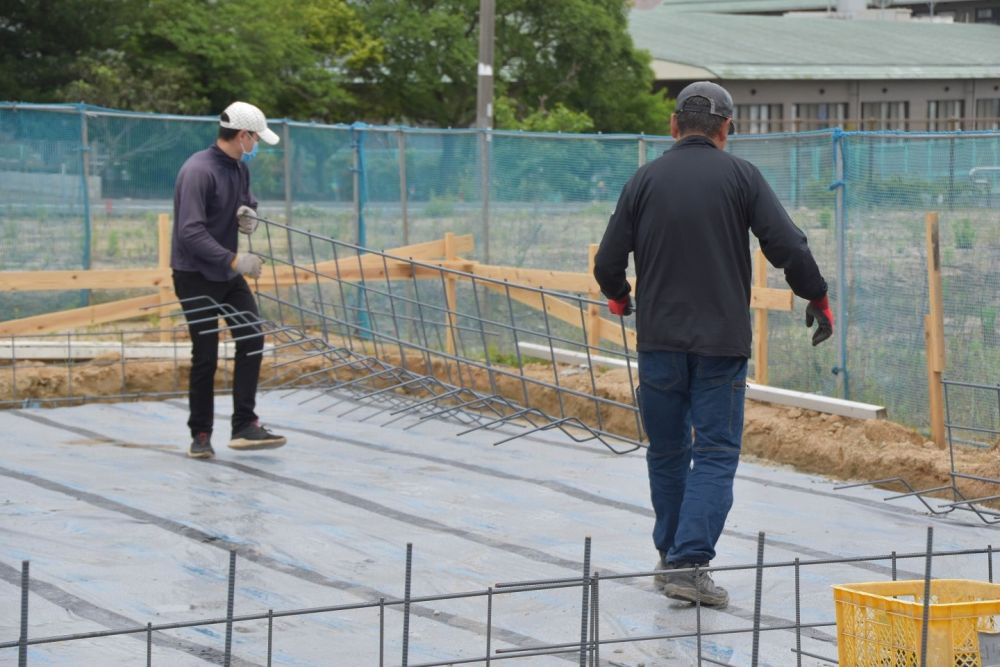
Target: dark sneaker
{"x":692,"y":586}
{"x":255,"y":436}
{"x":201,"y":446}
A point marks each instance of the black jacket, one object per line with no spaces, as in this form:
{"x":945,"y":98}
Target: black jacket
{"x":687,"y":216}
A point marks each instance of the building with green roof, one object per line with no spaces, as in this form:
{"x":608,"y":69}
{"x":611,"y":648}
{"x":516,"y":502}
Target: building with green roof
{"x":959,"y":11}
{"x":807,"y":71}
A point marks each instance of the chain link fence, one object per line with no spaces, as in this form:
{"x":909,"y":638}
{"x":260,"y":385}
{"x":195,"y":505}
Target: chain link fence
{"x":81,"y":187}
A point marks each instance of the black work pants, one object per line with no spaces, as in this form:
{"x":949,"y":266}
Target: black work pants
{"x":189,"y":286}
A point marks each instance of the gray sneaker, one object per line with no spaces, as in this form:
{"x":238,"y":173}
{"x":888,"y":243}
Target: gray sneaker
{"x":201,"y":446}
{"x":255,"y":436}
{"x":663,"y":576}
{"x":692,"y":586}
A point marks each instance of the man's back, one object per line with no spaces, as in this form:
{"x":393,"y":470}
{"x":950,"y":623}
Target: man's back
{"x":686,"y":217}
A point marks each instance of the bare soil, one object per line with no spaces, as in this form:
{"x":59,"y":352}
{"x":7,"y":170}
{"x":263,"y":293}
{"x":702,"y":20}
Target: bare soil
{"x":837,"y":447}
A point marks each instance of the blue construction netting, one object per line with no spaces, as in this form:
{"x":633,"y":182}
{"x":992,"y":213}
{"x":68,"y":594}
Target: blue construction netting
{"x":83,"y":186}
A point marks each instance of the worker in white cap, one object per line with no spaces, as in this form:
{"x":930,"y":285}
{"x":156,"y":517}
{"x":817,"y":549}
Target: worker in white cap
{"x":212,"y":204}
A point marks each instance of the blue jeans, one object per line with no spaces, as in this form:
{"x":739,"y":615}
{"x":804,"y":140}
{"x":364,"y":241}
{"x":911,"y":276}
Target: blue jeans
{"x":679,"y":391}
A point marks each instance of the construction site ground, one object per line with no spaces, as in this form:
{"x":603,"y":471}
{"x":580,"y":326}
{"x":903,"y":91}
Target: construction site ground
{"x":122,"y":529}
{"x":838,"y":447}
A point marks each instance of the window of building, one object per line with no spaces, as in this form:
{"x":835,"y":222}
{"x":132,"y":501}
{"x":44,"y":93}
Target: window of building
{"x":758,"y":118}
{"x":987,"y":15}
{"x":988,"y":114}
{"x":943,"y":115}
{"x":818,"y":116}
{"x":884,"y":115}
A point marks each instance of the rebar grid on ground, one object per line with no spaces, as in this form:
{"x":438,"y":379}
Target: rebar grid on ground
{"x":393,"y":335}
{"x":959,"y":499}
{"x":586,"y":649}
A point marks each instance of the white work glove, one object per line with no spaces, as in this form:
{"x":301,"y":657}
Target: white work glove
{"x":246,"y":217}
{"x":248,"y":265}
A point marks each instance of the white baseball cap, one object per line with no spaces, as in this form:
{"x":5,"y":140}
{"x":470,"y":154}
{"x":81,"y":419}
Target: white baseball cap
{"x":244,"y":116}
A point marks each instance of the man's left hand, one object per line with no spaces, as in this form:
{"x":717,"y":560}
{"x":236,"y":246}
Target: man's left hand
{"x":819,"y":310}
{"x":621,"y":307}
{"x":246,"y":217}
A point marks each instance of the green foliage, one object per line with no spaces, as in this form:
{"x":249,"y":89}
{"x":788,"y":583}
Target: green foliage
{"x":559,"y":119}
{"x":510,"y":360}
{"x":187,"y":56}
{"x":113,"y":247}
{"x":965,"y":235}
{"x":331,"y":60}
{"x":439,"y":207}
{"x":825,"y":218}
{"x":989,"y":325}
{"x":544,"y":57}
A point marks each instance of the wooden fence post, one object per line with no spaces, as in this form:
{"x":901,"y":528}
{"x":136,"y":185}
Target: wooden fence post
{"x":934,"y":331}
{"x":760,"y":323}
{"x":163,"y":263}
{"x":450,"y":292}
{"x":593,"y":312}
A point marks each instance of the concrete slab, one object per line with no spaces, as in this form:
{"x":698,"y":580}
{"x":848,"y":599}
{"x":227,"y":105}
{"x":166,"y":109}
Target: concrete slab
{"x":122,"y":529}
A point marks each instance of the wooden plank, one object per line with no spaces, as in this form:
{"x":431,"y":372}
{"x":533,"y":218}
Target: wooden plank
{"x":562,"y":281}
{"x":934,"y":331}
{"x":755,"y":392}
{"x":593,"y":311}
{"x":20,"y":349}
{"x":34,"y":281}
{"x":771,"y":298}
{"x":397,"y":271}
{"x":166,"y":292}
{"x":566,"y":312}
{"x":80,"y":317}
{"x":807,"y":401}
{"x":563,"y":356}
{"x":434,"y":249}
{"x":760,"y":329}
{"x":451,"y":295}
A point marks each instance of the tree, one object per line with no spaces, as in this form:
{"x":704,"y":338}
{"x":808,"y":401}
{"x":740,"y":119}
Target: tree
{"x":40,"y":41}
{"x":574,"y":53}
{"x":190,"y":56}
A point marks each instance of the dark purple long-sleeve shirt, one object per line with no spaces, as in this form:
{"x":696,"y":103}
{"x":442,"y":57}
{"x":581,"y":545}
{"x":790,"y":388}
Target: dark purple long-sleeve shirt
{"x":210,"y":187}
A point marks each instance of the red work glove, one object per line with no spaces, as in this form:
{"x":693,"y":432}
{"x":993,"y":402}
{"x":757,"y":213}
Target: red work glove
{"x":620,"y":307}
{"x":819,"y":310}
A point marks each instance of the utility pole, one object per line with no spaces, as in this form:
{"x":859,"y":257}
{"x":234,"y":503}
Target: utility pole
{"x":484,"y":114}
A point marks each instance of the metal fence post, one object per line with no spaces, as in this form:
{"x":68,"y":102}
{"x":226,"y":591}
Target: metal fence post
{"x":404,"y":194}
{"x":406,"y":603}
{"x":229,"y":609}
{"x":485,"y":141}
{"x":840,"y":188}
{"x":584,"y":607}
{"x":22,"y":649}
{"x":287,"y":152}
{"x":88,"y":229}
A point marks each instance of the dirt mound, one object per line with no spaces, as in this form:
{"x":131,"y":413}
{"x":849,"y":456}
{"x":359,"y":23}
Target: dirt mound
{"x":837,"y":447}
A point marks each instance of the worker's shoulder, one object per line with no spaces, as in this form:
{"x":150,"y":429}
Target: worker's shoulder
{"x":199,"y":164}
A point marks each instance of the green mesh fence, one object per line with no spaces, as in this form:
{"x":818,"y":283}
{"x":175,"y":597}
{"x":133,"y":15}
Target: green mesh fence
{"x":82,"y":187}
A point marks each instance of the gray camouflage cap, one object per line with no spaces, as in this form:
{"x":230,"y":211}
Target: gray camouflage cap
{"x":720,"y":102}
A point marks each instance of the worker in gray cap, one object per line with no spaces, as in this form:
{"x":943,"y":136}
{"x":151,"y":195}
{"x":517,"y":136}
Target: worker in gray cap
{"x":685,"y":217}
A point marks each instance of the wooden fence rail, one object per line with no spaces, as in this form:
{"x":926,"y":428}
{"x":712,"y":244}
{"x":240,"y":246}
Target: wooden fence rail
{"x":442,"y":253}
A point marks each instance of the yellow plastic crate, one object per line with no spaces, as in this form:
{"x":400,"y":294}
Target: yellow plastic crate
{"x":879,"y":623}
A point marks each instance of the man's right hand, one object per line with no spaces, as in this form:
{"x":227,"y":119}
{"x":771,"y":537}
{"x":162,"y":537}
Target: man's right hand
{"x":248,"y":265}
{"x":621,"y":307}
{"x":819,"y":310}
{"x":247,"y":220}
